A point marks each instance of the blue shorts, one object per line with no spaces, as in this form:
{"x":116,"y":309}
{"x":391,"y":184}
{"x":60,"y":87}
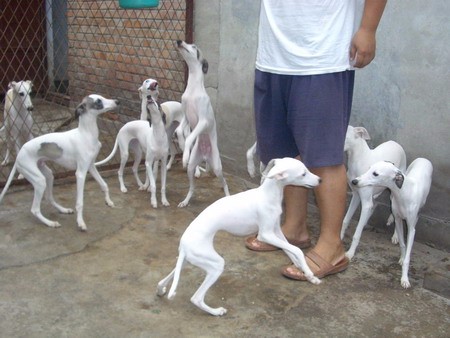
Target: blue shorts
{"x":306,"y":116}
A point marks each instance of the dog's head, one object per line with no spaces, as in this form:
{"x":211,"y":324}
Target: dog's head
{"x":193,"y":56}
{"x":290,"y":171}
{"x":95,"y":104}
{"x":149,"y":87}
{"x":154,"y":110}
{"x":381,"y":174}
{"x":22,"y":91}
{"x":353,"y":135}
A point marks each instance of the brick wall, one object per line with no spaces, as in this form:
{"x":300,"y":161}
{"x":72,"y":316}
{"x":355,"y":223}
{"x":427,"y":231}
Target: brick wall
{"x":113,"y":50}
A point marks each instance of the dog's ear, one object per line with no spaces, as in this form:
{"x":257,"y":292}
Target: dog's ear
{"x":399,"y":179}
{"x":277,"y":173}
{"x":205,"y":66}
{"x":12,"y":84}
{"x":140,"y":92}
{"x":80,"y":109}
{"x":30,"y":83}
{"x":362,"y":132}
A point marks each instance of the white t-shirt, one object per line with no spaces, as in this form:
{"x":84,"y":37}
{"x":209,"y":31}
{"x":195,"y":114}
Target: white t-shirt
{"x":305,"y":37}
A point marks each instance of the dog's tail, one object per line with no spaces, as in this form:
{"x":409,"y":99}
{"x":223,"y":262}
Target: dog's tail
{"x":8,"y":183}
{"x":176,"y":277}
{"x":110,"y":156}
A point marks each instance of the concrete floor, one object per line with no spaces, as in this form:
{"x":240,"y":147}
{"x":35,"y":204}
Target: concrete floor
{"x":66,"y":283}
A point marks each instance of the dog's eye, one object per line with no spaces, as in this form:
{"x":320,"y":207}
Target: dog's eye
{"x":22,"y":94}
{"x":375,"y":174}
{"x":304,"y":174}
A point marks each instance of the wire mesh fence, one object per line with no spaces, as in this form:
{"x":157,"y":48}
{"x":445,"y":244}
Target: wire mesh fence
{"x":72,"y":48}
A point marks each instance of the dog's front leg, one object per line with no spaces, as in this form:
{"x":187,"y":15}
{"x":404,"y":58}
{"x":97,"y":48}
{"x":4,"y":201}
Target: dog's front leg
{"x":191,"y":139}
{"x":367,"y":208}
{"x":164,"y":200}
{"x":294,"y":253}
{"x":354,"y":203}
{"x":81,"y":178}
{"x":103,"y":185}
{"x":149,"y":168}
{"x":411,"y":226}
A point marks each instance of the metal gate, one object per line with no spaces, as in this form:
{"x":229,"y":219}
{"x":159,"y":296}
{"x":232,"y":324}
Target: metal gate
{"x":72,"y":48}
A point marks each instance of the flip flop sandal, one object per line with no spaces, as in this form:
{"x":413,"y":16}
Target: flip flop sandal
{"x":252,"y":243}
{"x":325,"y":268}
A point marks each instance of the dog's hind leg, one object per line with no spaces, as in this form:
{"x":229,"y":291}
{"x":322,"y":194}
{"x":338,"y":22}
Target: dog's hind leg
{"x":123,"y":161}
{"x":46,"y":171}
{"x":216,"y":166}
{"x":194,"y":160}
{"x":38,"y":180}
{"x":162,"y":285}
{"x":213,"y":264}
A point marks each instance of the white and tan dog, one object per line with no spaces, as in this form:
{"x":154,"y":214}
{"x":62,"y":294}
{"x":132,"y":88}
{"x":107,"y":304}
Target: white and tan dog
{"x":153,"y":139}
{"x":75,"y":149}
{"x":360,"y":158}
{"x":409,"y":193}
{"x":201,"y":144}
{"x":18,"y":119}
{"x":242,"y":214}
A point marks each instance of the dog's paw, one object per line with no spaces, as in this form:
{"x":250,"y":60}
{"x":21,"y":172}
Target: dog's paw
{"x":349,"y":255}
{"x":125,"y":190}
{"x":109,"y":203}
{"x":161,"y":290}
{"x":182,"y":204}
{"x":53,"y":224}
{"x":66,"y":211}
{"x":405,"y":283}
{"x":394,"y":239}
{"x":154,"y":203}
{"x":314,"y":280}
{"x":165,"y":203}
{"x":220,"y":311}
{"x":82,"y":227}
{"x":197,"y":172}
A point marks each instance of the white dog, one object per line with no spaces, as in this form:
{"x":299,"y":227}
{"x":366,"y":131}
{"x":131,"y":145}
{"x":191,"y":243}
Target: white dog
{"x":360,"y":158}
{"x":173,"y":114}
{"x":409,"y":193}
{"x":153,"y":139}
{"x":248,"y":212}
{"x":75,"y":149}
{"x":133,"y":136}
{"x":201,"y":144}
{"x":18,"y":119}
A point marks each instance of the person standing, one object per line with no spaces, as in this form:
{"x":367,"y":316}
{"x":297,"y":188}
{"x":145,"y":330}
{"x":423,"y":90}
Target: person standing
{"x":303,"y":91}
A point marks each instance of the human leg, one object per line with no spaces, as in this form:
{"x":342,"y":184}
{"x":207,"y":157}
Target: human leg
{"x":331,"y":198}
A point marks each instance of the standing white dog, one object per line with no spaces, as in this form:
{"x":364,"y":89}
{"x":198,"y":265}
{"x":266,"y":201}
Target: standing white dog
{"x":360,"y":158}
{"x":409,"y":193}
{"x":133,"y":135}
{"x":153,"y":139}
{"x":172,"y":115}
{"x":75,"y":149}
{"x":201,"y":144}
{"x":248,"y":212}
{"x":18,"y":119}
